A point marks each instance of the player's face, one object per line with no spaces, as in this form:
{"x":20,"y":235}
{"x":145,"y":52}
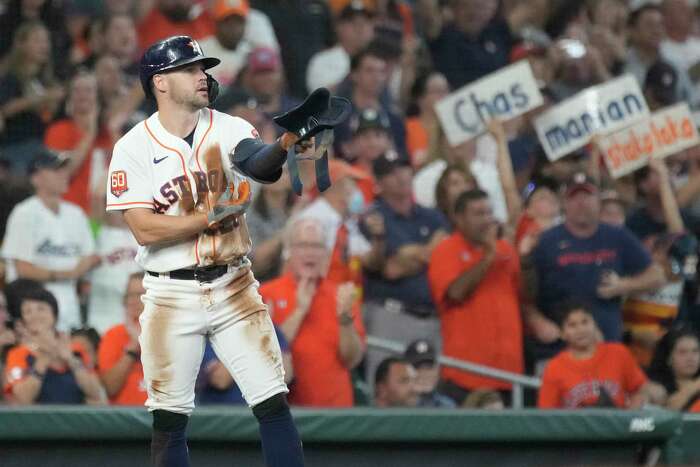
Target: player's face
{"x":612,"y":213}
{"x":579,"y":330}
{"x":37,"y":316}
{"x":370,"y":144}
{"x":685,"y":358}
{"x":187,"y":86}
{"x":51,"y":181}
{"x":307,"y":252}
{"x":476,"y":220}
{"x":582,"y":208}
{"x":401,"y":386}
{"x":427,"y":376}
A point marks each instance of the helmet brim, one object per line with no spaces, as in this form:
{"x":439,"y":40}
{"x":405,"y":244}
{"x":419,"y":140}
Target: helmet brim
{"x":209,"y":62}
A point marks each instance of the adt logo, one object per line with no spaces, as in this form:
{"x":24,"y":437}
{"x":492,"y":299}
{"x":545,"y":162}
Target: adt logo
{"x":642,"y":425}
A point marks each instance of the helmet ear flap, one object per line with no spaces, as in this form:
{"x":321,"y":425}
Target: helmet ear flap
{"x":213,"y":88}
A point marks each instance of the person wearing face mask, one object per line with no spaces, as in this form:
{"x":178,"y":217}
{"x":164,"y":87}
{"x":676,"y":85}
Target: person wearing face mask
{"x":337,"y":209}
{"x":398,"y":302}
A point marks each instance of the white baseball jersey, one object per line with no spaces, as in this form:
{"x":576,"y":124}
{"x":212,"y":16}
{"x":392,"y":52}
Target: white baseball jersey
{"x":117,"y":248}
{"x":154,"y":169}
{"x":52,"y":240}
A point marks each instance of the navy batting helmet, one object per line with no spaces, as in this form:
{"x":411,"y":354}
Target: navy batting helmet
{"x":171,"y":53}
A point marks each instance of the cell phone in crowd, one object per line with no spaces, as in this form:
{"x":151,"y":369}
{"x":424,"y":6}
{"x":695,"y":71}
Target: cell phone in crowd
{"x":573,"y":48}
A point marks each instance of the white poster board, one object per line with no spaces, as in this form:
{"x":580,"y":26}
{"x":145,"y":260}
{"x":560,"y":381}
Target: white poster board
{"x":665,"y":132}
{"x":507,"y":93}
{"x":600,"y":109}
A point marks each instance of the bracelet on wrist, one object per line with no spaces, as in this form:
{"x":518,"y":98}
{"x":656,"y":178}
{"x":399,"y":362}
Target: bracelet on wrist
{"x":133,"y":354}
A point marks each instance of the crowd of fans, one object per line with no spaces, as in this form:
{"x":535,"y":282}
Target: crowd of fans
{"x":485,"y":251}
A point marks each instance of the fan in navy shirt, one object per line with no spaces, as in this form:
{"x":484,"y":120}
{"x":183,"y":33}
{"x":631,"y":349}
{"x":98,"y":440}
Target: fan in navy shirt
{"x":477,"y":42}
{"x":589,"y":261}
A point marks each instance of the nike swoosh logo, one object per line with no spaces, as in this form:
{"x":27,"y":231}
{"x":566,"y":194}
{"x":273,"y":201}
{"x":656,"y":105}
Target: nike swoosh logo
{"x":155,"y":161}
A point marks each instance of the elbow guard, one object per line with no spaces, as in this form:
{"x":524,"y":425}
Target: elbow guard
{"x":259,"y":161}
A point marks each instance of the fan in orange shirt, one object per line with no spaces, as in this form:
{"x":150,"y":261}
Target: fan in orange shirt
{"x":171,"y":18}
{"x":86,"y":142}
{"x":590,"y":373}
{"x":119,"y":356}
{"x":421,"y":118}
{"x":475,"y":281}
{"x":320,"y":318}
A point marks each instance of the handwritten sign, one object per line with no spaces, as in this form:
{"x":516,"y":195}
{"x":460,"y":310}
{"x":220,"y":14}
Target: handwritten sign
{"x":507,"y":93}
{"x":666,"y":132}
{"x":600,"y":109}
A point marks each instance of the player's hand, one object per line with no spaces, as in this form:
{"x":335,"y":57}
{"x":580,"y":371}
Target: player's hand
{"x":611,"y":285}
{"x":374,"y":222}
{"x":306,"y":289}
{"x":63,"y":346}
{"x":345,"y":298}
{"x":231,"y":203}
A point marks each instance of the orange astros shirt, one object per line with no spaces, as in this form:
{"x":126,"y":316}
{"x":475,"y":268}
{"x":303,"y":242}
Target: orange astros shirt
{"x":486,"y":328}
{"x":320,"y":378}
{"x":64,"y":135}
{"x":570,"y":383}
{"x":111,"y":350}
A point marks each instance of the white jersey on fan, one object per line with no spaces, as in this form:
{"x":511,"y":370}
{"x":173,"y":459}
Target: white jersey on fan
{"x":51,"y":240}
{"x":153,"y":169}
{"x":117,"y":248}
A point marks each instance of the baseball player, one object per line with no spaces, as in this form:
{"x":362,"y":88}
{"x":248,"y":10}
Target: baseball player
{"x":168,"y":178}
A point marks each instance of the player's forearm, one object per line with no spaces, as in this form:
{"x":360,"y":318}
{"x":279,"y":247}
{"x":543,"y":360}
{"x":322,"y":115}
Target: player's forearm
{"x":260,"y":161}
{"x":291,"y":326}
{"x":150,"y":228}
{"x":680,"y":398}
{"x":672,"y":214}
{"x":114,"y":379}
{"x":27,"y":270}
{"x":462,"y":287}
{"x":650,"y":279}
{"x":375,"y":259}
{"x":80,"y":152}
{"x":350,"y":346}
{"x":26,"y":391}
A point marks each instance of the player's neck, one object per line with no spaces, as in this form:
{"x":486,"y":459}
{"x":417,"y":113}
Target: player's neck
{"x":177,"y":120}
{"x":49,"y":200}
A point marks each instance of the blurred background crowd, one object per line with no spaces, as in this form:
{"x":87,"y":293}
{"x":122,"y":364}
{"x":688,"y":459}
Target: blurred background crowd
{"x":485,"y":252}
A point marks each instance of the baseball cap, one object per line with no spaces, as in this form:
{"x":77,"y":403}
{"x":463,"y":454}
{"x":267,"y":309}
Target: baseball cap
{"x":339,"y":169}
{"x":420,"y":351}
{"x":387,"y":162}
{"x":368,"y":119}
{"x":222,"y":9}
{"x":46,"y":159}
{"x":263,"y":59}
{"x":354,"y":8}
{"x":661,"y":81}
{"x":580,"y":182}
